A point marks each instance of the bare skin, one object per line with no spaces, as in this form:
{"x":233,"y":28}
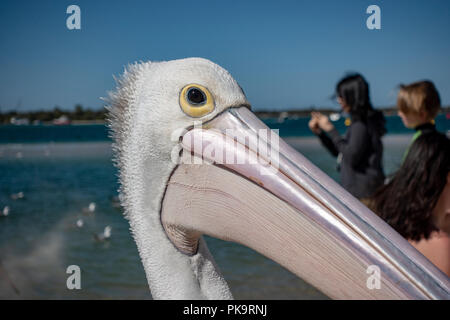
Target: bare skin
{"x":411,"y":120}
{"x":314,"y":125}
{"x":437,"y":248}
{"x":441,"y":212}
{"x":321,"y":122}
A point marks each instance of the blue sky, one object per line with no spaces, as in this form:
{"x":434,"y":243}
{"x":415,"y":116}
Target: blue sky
{"x":285,"y":54}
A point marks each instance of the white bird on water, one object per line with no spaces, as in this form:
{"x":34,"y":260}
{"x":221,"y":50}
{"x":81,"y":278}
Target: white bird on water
{"x":18,"y":195}
{"x":90,"y":209}
{"x":5,"y":211}
{"x":105,"y":235}
{"x":80,"y":223}
{"x":278,"y":204}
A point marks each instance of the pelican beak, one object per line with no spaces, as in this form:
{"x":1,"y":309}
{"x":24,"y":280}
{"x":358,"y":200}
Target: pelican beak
{"x":239,"y":181}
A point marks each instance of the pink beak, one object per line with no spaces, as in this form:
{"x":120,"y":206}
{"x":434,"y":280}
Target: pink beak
{"x":239,"y":181}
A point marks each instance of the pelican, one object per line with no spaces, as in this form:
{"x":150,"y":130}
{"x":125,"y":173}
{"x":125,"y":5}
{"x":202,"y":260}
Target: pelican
{"x":105,"y":235}
{"x":5,"y":211}
{"x":79,"y":223}
{"x":173,"y":123}
{"x":90,"y":209}
{"x":17,"y":196}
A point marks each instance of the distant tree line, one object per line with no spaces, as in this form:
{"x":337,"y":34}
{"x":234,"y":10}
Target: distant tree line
{"x":79,"y":113}
{"x":388,"y":111}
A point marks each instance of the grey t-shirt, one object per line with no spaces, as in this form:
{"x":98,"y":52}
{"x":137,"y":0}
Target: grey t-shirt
{"x":362,"y":154}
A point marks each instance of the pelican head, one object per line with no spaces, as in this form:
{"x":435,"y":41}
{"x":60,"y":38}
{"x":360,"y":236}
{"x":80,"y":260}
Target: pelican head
{"x":185,"y":170}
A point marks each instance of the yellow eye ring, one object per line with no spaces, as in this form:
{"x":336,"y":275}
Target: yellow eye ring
{"x":196,"y":101}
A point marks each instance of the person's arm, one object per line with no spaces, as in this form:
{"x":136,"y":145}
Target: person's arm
{"x":319,"y":125}
{"x":353,"y":149}
{"x":328,"y":143}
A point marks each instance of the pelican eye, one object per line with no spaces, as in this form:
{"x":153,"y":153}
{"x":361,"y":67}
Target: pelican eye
{"x":196,"y":100}
{"x":196,"y":96}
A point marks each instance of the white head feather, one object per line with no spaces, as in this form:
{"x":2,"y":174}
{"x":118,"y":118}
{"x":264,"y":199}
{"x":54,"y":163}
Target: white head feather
{"x":144,"y":113}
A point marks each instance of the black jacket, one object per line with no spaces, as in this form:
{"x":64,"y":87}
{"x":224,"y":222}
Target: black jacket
{"x":361,"y":149}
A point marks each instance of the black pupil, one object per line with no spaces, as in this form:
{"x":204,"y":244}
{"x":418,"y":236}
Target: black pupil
{"x":196,"y":96}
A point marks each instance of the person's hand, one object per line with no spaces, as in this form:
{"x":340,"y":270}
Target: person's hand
{"x":322,"y":121}
{"x":313,"y":125}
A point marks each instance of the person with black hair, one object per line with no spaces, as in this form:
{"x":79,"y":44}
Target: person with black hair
{"x":360,"y":151}
{"x":416,"y":202}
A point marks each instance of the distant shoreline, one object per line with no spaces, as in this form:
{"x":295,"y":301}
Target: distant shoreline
{"x":82,"y":116}
{"x":391,"y":111}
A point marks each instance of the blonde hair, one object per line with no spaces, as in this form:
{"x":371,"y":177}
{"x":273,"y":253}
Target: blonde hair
{"x":419,"y":97}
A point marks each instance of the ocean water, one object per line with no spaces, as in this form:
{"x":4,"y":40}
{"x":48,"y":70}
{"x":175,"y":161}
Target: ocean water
{"x":61,"y":170}
{"x":89,"y":133}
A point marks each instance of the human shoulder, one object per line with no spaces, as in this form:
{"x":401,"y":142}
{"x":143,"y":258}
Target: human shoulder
{"x":436,"y":249}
